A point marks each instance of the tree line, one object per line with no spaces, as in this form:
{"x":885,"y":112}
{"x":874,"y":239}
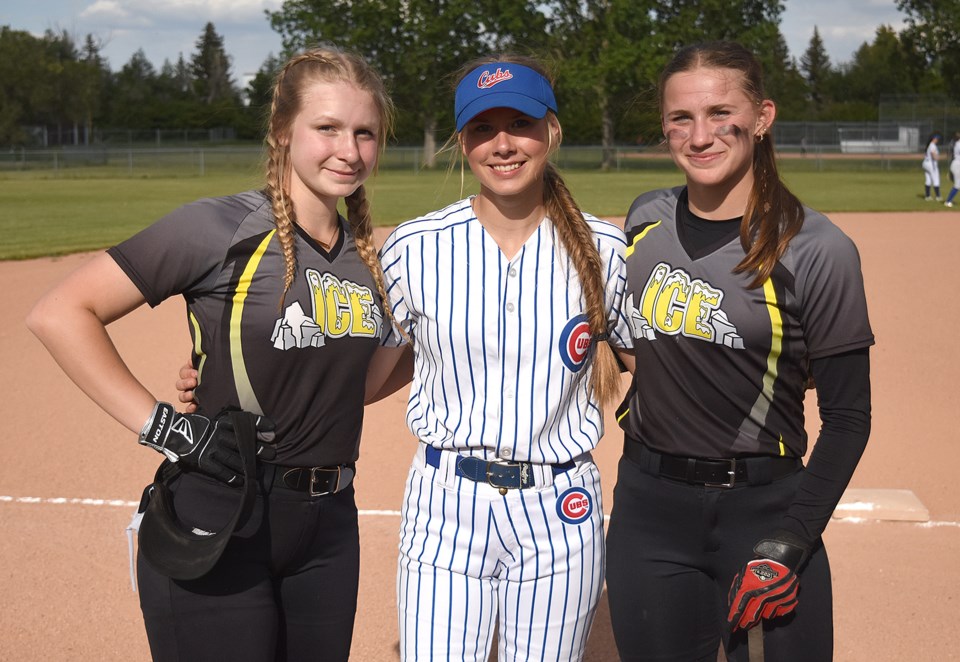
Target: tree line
{"x":606,"y":55}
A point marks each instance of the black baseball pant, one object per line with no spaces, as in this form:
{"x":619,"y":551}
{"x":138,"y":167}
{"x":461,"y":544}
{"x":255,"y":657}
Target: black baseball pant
{"x":672,"y":552}
{"x":285,"y":588}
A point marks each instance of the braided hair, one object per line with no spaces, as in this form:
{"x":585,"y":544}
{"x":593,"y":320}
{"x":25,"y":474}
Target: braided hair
{"x":321,"y":64}
{"x":577,"y":240}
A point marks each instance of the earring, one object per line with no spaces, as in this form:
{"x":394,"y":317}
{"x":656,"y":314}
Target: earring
{"x":759,"y":137}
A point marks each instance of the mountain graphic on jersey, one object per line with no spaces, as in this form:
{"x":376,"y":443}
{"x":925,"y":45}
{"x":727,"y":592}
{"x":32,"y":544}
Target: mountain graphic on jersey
{"x":673,"y":303}
{"x":339,"y":308}
{"x":297,"y":329}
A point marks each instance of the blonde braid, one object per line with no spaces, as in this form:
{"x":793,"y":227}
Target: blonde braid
{"x":358,"y":215}
{"x":284,"y":215}
{"x":578,"y":240}
{"x":317,"y":64}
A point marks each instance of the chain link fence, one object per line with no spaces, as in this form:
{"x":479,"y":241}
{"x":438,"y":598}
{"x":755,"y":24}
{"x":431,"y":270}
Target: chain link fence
{"x":799,"y":150}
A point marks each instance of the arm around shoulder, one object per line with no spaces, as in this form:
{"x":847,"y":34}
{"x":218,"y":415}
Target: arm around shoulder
{"x":391,"y":368}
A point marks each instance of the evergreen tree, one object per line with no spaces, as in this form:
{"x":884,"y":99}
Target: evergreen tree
{"x":816,"y":68}
{"x":260,"y":88}
{"x":210,"y":69}
{"x":784,"y":82}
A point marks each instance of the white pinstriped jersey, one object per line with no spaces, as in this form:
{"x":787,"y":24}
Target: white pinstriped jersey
{"x":500,"y":367}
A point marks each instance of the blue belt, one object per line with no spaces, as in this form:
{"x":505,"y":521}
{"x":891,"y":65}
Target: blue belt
{"x":502,"y":475}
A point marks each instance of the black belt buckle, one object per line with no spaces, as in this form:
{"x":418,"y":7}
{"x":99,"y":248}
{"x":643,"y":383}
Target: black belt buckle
{"x":732,"y":472}
{"x":314,"y":480}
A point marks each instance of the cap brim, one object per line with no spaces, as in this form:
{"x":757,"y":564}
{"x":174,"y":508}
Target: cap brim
{"x":521,"y":102}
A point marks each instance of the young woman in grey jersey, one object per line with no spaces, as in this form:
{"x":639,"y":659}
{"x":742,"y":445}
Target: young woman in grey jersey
{"x":284,"y":299}
{"x":738,"y":296}
{"x":510,"y":297}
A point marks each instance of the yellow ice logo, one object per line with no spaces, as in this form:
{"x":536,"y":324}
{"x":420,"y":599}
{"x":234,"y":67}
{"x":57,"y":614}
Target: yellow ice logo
{"x":674,"y":303}
{"x":339,"y":308}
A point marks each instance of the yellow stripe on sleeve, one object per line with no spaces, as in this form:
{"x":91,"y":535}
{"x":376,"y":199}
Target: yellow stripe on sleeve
{"x":641,"y":235}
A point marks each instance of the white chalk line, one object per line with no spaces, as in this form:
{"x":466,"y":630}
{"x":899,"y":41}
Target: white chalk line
{"x":121,"y":503}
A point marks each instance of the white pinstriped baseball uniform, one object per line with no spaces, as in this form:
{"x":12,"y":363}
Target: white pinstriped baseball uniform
{"x":955,"y":164}
{"x":499,"y":373}
{"x":931,"y":168}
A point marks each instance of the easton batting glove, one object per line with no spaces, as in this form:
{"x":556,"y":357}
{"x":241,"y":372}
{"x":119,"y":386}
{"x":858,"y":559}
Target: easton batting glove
{"x":767,"y":586}
{"x":201,"y":444}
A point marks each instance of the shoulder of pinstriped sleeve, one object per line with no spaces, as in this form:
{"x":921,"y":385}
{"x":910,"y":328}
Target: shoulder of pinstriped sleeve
{"x":392,"y":261}
{"x":612,"y":244}
{"x":607,"y":233}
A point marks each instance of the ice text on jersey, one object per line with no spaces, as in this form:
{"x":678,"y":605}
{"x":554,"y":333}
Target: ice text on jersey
{"x":338,"y":308}
{"x":672,"y":302}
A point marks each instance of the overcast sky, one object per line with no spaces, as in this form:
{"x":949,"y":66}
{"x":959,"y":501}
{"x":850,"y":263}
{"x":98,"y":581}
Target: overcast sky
{"x":166,"y":28}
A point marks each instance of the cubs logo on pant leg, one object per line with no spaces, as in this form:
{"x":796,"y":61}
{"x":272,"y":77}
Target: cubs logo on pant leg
{"x":574,"y":505}
{"x":530,"y":563}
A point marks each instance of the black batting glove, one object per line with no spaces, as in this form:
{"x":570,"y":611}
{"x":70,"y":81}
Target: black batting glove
{"x":198,"y":443}
{"x":767,"y":586}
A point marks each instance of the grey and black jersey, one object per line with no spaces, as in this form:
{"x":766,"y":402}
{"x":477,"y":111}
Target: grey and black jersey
{"x":299,"y":364}
{"x":722,"y":369}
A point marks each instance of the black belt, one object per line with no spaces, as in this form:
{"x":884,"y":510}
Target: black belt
{"x":711,"y":472}
{"x":317,"y":481}
{"x":502,"y":475}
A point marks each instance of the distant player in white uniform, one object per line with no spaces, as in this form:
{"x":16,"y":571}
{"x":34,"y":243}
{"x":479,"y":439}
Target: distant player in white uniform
{"x":510,"y":297}
{"x":954,"y":169}
{"x":931,"y":168}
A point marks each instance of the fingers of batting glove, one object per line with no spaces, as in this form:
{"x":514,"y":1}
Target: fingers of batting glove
{"x":761,"y":589}
{"x":228,"y":452}
{"x":784,"y":547}
{"x":265,"y":433}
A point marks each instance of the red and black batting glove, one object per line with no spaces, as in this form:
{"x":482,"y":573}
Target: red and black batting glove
{"x":767,"y":586}
{"x":201,"y":444}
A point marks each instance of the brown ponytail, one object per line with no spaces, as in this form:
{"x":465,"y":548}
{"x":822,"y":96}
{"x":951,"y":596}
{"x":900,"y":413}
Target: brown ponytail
{"x":773,"y":215}
{"x":772,"y":218}
{"x":575,"y":237}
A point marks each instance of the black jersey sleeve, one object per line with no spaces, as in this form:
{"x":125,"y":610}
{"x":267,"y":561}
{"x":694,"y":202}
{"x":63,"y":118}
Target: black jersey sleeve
{"x":176,"y":253}
{"x":843,"y":399}
{"x":830,"y":287}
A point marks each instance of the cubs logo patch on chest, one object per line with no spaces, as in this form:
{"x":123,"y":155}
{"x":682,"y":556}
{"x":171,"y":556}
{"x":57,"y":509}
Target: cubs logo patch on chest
{"x":574,"y":343}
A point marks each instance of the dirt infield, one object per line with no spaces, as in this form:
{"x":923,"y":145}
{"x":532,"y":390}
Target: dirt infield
{"x":65,"y":581}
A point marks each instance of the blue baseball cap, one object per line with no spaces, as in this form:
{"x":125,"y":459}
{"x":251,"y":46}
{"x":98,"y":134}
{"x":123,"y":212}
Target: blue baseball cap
{"x":503,"y":85}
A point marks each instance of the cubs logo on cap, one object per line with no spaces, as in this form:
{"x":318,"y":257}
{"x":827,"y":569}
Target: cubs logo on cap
{"x":575,"y":342}
{"x":503,"y":85}
{"x":575,"y":505}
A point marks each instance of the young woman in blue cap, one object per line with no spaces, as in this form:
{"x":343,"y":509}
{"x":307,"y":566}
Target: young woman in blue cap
{"x":510,"y":298}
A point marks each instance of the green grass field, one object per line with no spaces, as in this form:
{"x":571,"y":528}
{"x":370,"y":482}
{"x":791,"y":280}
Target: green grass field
{"x":55,"y":213}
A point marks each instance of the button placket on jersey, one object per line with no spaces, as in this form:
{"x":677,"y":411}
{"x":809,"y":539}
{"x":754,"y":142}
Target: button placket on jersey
{"x":511,"y":351}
